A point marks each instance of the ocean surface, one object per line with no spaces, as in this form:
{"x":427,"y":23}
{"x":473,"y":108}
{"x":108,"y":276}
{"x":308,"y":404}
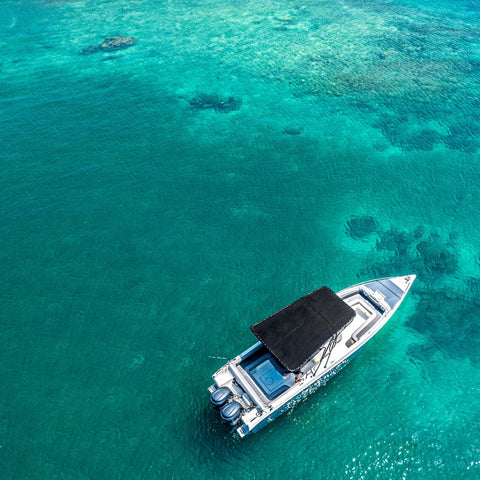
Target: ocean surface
{"x":156,"y":201}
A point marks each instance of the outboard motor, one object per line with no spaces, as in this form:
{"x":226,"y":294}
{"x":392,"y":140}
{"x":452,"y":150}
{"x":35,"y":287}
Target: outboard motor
{"x":219,"y":397}
{"x":231,"y":413}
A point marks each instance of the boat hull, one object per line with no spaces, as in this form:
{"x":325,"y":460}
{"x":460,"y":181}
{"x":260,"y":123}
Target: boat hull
{"x":248,"y":378}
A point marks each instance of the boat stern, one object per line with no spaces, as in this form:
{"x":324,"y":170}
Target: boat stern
{"x":237,"y":405}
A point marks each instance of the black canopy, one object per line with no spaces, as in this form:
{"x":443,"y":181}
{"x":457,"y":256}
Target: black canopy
{"x":295,"y":334}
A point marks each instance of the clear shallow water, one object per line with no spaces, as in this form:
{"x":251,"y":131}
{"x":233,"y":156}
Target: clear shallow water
{"x":145,"y":225}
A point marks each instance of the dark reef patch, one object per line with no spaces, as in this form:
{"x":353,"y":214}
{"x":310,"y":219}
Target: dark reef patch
{"x":428,"y":254}
{"x":447,"y":310}
{"x":206,"y":101}
{"x":395,"y":240}
{"x":425,"y":139}
{"x":464,"y":136}
{"x":437,"y":257}
{"x":419,"y":232}
{"x":392,"y":125}
{"x":361,"y":226}
{"x":292,"y":131}
{"x":396,"y":128}
{"x":90,"y":50}
{"x":110,"y":57}
{"x":118,"y":42}
{"x":110,"y":44}
{"x":450,"y":320}
{"x":286,"y":20}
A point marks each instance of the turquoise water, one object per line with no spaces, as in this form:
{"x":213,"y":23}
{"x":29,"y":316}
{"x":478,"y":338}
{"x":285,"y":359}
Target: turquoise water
{"x":157,"y":200}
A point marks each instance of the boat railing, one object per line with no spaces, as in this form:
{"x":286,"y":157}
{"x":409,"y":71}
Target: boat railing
{"x":325,"y":356}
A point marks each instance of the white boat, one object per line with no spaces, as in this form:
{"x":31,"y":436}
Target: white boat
{"x":301,"y":347}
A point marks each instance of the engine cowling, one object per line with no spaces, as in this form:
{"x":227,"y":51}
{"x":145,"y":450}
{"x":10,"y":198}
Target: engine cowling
{"x":231,"y":412}
{"x":219,"y":397}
